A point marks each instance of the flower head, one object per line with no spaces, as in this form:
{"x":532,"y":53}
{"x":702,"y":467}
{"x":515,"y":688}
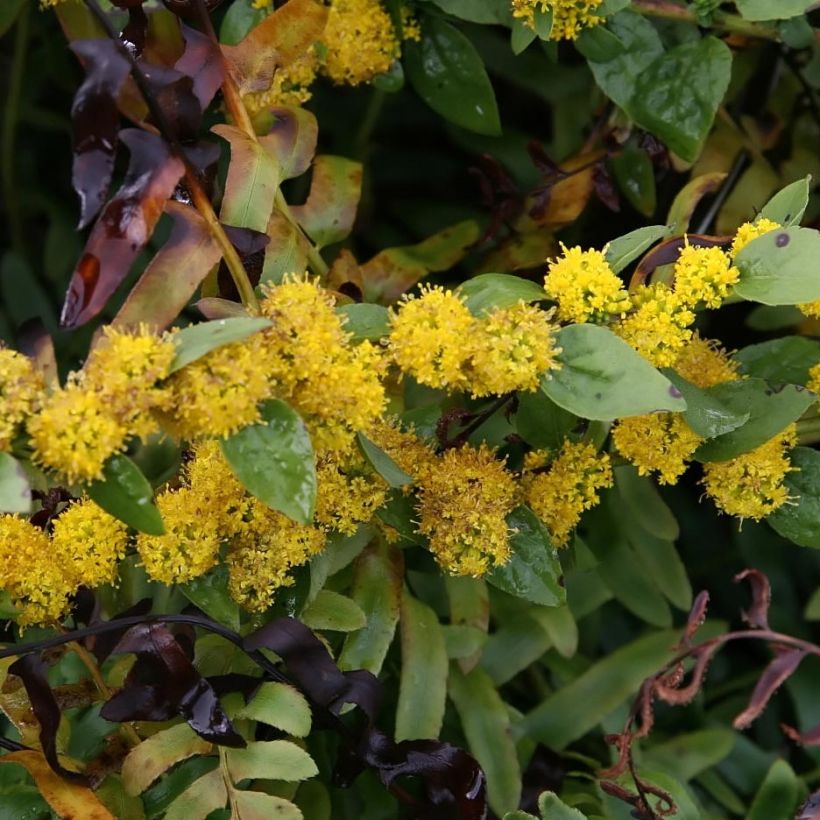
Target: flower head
{"x":585,"y":287}
{"x":569,"y":18}
{"x":704,"y":276}
{"x":570,"y":486}
{"x":348,"y":494}
{"x":749,"y":231}
{"x":704,"y":363}
{"x":814,"y":379}
{"x":291,"y":85}
{"x":20,"y":388}
{"x":658,"y":326}
{"x":751,"y":485}
{"x":511,"y":349}
{"x":428,"y":337}
{"x":463,"y":505}
{"x":413,"y":455}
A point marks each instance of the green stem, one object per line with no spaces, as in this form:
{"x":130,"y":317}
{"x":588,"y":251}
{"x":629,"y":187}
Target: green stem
{"x":808,"y":430}
{"x":369,"y":121}
{"x":11,"y":116}
{"x":670,"y":10}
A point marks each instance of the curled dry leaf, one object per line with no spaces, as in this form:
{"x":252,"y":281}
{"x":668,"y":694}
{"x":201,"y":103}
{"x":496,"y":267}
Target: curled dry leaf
{"x":757,"y":616}
{"x":775,"y":674}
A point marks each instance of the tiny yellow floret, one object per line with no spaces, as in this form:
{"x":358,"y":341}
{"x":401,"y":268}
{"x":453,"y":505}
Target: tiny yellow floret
{"x":704,"y":363}
{"x":21,"y":387}
{"x":749,"y":231}
{"x":704,"y":276}
{"x":569,"y":17}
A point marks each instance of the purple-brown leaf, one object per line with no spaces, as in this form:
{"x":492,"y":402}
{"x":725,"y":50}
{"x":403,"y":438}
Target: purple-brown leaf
{"x":96,"y":122}
{"x":810,"y":810}
{"x":124,"y":228}
{"x":774,"y":675}
{"x":202,"y":62}
{"x":810,"y":738}
{"x":757,"y":616}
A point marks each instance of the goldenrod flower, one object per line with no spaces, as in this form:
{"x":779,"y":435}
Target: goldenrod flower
{"x":190,"y":545}
{"x":704,"y":363}
{"x":291,"y":85}
{"x":359,"y":41}
{"x":20,"y":388}
{"x":510,"y":350}
{"x":661,"y":443}
{"x":814,"y":379}
{"x":414,"y":455}
{"x":429,"y":335}
{"x":87,"y":543}
{"x":219,"y":393}
{"x":570,"y":486}
{"x":348,"y":494}
{"x":751,"y":485}
{"x":75,"y":432}
{"x":658,"y":326}
{"x":570,"y":17}
{"x":585,"y":287}
{"x":38,"y":585}
{"x":749,"y":231}
{"x":463,"y":505}
{"x":262,"y":556}
{"x":704,"y":276}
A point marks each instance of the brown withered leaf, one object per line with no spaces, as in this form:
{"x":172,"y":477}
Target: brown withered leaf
{"x":202,"y":62}
{"x":697,"y":615}
{"x":810,"y":810}
{"x":173,"y":275}
{"x":809,"y":738}
{"x":774,"y":675}
{"x":174,"y":94}
{"x":124,"y":227}
{"x":757,"y":616}
{"x":96,"y":122}
{"x":277,"y":41}
{"x":667,"y":252}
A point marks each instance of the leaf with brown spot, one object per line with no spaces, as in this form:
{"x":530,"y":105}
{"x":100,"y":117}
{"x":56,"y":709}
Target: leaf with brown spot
{"x":688,"y":199}
{"x":173,"y":275}
{"x":330,"y":210}
{"x":69,"y":800}
{"x":96,"y":121}
{"x":394,"y":271}
{"x":774,"y":675}
{"x":124,"y":227}
{"x":278,"y":40}
{"x":757,"y":616}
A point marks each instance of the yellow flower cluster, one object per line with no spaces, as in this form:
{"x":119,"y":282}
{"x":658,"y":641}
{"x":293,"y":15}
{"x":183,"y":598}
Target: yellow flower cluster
{"x":814,"y":379}
{"x":749,"y":231}
{"x":569,"y":17}
{"x":349,"y":494}
{"x":20,"y":389}
{"x":42,"y":572}
{"x":101,"y":406}
{"x":290,"y":86}
{"x":436,"y":339}
{"x":663,"y":443}
{"x":559,"y":495}
{"x":704,"y":276}
{"x":585,"y":287}
{"x":464,"y":501}
{"x":751,"y":485}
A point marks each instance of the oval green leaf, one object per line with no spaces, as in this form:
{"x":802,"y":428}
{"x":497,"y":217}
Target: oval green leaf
{"x":787,"y":359}
{"x":274,"y":461}
{"x":270,"y":760}
{"x":279,"y":705}
{"x":210,"y":593}
{"x":799,"y":520}
{"x":195,"y":341}
{"x":603,"y":378}
{"x":125,"y":493}
{"x":382,"y":463}
{"x":365,"y":321}
{"x":625,"y":249}
{"x":488,"y":291}
{"x":330,"y":610}
{"x":787,"y":207}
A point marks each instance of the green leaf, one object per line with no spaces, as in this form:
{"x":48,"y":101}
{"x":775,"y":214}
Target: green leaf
{"x":635,"y":175}
{"x":489,"y":291}
{"x":424,"y":667}
{"x":335,"y":612}
{"x":799,"y":519}
{"x":156,"y":754}
{"x":253,"y":805}
{"x":560,"y":626}
{"x":644,"y":504}
{"x":9,"y":11}
{"x":270,"y":760}
{"x":603,"y":378}
{"x":201,"y":798}
{"x":770,"y":409}
{"x":279,"y":705}
{"x":377,"y":585}
{"x":677,"y":96}
{"x":15,"y":490}
{"x":689,"y":754}
{"x":463,"y":641}
{"x":774,"y":317}
{"x":521,"y":36}
{"x":486,"y":724}
{"x":768,"y":10}
{"x":541,"y":422}
{"x":706,"y":413}
{"x":469,"y":606}
{"x":274,"y":461}
{"x":787,"y":359}
{"x":812,"y":610}
{"x":382,"y":463}
{"x":787,"y":207}
{"x":660,"y":561}
{"x":195,"y":341}
{"x":551,"y":807}
{"x":239,"y":19}
{"x":579,"y":706}
{"x":166,"y":790}
{"x":618,"y":76}
{"x":210,"y":593}
{"x":252,"y":182}
{"x":330,"y":210}
{"x":777,"y":797}
{"x":125,"y":493}
{"x":599,"y":44}
{"x":625,"y":249}
{"x":478,"y":11}
{"x":365,"y":321}
{"x":779,"y":268}
{"x":533,"y":570}
{"x":449,"y":75}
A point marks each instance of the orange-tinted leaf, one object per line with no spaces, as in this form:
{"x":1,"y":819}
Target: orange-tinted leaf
{"x":67,"y":799}
{"x":278,"y":40}
{"x":330,"y":210}
{"x":124,"y":228}
{"x":173,"y":275}
{"x":394,"y":271}
{"x":286,"y":252}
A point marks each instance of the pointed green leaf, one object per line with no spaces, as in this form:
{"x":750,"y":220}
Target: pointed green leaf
{"x":778,"y":794}
{"x":200,"y":798}
{"x":489,"y":291}
{"x":551,"y":807}
{"x":274,"y":461}
{"x":251,"y":805}
{"x":382,"y":463}
{"x":335,"y":612}
{"x":707,"y":414}
{"x":787,"y":207}
{"x":15,"y":490}
{"x":210,"y":593}
{"x":279,"y":705}
{"x":625,"y":249}
{"x":125,"y":493}
{"x":195,"y":341}
{"x":270,"y":760}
